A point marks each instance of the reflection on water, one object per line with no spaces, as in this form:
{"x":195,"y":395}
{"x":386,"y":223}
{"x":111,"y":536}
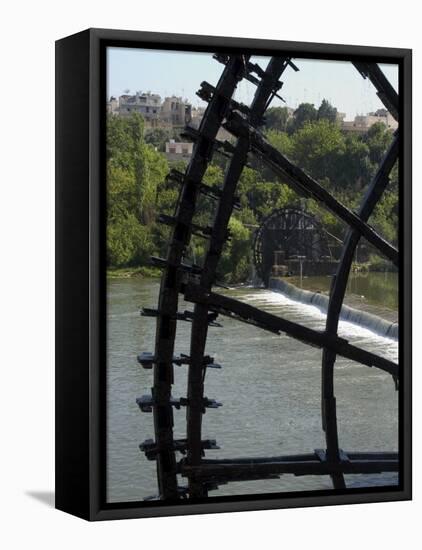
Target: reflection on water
{"x":373,"y":288}
{"x":269,"y":386}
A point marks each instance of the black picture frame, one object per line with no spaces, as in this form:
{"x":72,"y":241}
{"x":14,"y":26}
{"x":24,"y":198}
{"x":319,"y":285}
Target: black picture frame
{"x":80,"y":272}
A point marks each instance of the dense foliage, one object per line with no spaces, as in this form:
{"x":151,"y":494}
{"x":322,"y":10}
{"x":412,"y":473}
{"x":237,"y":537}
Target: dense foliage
{"x":137,"y":190}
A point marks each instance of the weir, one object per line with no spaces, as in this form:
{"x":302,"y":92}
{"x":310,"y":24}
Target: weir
{"x":364,"y":319}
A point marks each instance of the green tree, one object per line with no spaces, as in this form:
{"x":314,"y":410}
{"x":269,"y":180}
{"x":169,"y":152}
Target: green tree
{"x":276,"y":118}
{"x":306,"y":112}
{"x":157,"y":137}
{"x":317,"y":147}
{"x":128,"y":242}
{"x":378,"y":138}
{"x":156,"y":168}
{"x":134,"y":173}
{"x":327,"y":112}
{"x":385,"y":217}
{"x":236,"y":258}
{"x":353,"y":167}
{"x":281,"y":141}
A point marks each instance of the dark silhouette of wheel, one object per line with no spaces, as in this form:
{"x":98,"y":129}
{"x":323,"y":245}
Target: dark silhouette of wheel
{"x":291,"y":232}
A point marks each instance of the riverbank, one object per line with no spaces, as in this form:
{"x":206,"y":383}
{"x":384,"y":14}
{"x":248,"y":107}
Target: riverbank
{"x":136,"y":272}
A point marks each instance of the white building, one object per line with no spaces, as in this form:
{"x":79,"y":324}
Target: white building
{"x":176,"y":111}
{"x":172,"y":112}
{"x":113,"y":106}
{"x":196,"y":116}
{"x":362,"y":123}
{"x":178,"y":150}
{"x":146,"y":104}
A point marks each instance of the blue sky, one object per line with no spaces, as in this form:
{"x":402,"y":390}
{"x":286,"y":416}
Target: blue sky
{"x":181,"y":73}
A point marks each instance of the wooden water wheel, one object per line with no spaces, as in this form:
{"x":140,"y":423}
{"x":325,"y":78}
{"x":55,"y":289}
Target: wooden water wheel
{"x":188,"y":458}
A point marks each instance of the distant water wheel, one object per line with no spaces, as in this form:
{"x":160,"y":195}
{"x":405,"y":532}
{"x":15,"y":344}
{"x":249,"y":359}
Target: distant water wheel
{"x":292,"y":233}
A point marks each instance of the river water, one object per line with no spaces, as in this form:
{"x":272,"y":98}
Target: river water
{"x":269,"y":386}
{"x":374,"y":291}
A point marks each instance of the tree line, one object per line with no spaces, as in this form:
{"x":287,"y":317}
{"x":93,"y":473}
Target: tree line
{"x":137,"y":189}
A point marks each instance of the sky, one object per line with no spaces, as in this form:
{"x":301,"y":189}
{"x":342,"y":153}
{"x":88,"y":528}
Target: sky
{"x":181,"y":73}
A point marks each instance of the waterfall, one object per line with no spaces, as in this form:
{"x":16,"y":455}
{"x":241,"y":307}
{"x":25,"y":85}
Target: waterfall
{"x":362,"y":318}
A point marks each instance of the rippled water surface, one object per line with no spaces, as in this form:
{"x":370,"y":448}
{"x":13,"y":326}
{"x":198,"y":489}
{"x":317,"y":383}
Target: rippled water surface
{"x":269,"y":386}
{"x":364,"y":290}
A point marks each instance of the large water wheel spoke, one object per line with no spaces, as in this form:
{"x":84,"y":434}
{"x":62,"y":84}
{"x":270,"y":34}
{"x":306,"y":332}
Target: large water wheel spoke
{"x":265,"y":88}
{"x":172,"y":275}
{"x":337,"y":294}
{"x":385,"y":90}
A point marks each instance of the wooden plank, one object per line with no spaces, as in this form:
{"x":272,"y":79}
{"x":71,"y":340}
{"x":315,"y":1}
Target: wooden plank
{"x":241,"y":469}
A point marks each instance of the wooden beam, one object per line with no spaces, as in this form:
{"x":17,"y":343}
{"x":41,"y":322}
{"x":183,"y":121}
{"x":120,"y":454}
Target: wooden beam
{"x":337,"y":294}
{"x":385,"y":90}
{"x":298,"y":465}
{"x":244,"y":312}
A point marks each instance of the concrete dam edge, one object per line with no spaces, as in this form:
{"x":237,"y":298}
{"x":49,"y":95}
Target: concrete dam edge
{"x":361,"y":318}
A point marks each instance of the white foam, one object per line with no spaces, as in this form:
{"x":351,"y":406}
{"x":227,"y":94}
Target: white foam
{"x":268,"y":298}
